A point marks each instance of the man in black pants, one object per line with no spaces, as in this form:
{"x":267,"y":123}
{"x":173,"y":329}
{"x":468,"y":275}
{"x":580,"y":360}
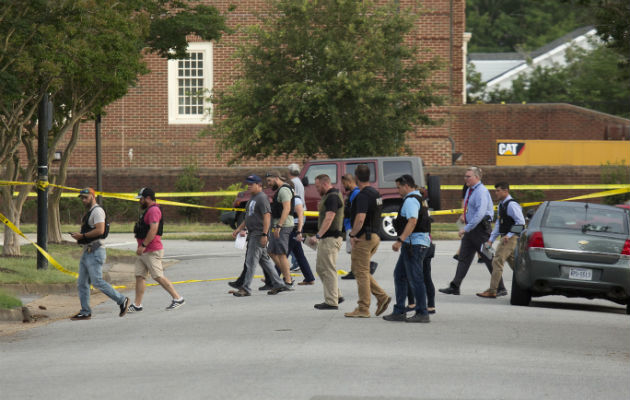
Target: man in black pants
{"x":478,"y":213}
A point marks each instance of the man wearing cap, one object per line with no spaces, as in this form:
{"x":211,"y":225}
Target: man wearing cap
{"x":257,"y":221}
{"x":148,"y":233}
{"x":93,"y":257}
{"x":282,"y":209}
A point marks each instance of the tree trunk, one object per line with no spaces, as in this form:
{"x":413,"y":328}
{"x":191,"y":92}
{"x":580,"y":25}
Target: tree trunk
{"x":54,"y":220}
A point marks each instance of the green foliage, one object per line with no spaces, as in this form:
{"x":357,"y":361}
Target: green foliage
{"x":334,"y":77}
{"x":227,"y":201}
{"x":612,"y":20}
{"x":616,"y":173}
{"x":594,"y":80}
{"x":476,"y":86}
{"x":7,"y":301}
{"x":521,"y":25}
{"x":189,"y":181}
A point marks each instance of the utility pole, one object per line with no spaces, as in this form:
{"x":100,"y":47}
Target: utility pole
{"x":99,"y":173}
{"x":44,"y":124}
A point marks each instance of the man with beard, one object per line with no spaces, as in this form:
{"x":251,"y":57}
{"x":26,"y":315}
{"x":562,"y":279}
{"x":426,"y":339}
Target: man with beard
{"x":93,"y":257}
{"x":282,"y":208}
{"x":148,"y":233}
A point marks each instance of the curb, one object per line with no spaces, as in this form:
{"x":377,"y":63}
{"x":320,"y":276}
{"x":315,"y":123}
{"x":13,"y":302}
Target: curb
{"x":15,"y":314}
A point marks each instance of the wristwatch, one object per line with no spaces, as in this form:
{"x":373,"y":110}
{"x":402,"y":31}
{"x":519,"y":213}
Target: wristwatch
{"x":317,"y":236}
{"x":398,"y":239}
{"x":263,"y":234}
{"x":143,"y":245}
{"x":351,"y":235}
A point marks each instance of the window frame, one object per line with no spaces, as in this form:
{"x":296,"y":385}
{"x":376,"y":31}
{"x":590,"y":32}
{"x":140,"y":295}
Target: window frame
{"x":174,"y":118}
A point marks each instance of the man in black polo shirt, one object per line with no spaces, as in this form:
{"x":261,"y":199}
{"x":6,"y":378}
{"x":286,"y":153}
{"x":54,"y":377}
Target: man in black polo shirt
{"x":365,"y":216}
{"x":329,"y":236}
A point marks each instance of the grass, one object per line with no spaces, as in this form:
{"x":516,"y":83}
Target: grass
{"x":8,"y":301}
{"x":23,"y":269}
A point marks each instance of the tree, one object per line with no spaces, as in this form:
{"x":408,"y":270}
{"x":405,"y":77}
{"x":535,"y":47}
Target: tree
{"x":612,"y":20}
{"x":85,"y":55}
{"x":521,"y":25}
{"x":590,"y":79}
{"x":336,"y":77}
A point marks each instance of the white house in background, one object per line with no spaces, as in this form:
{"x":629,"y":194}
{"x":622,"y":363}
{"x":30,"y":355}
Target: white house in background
{"x":498,"y":70}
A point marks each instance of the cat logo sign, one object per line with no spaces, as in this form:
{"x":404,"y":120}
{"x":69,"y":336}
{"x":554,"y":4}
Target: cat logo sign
{"x":510,"y":149}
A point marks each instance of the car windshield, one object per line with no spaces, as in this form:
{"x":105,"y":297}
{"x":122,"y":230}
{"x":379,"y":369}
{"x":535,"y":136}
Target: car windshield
{"x":586,"y":219}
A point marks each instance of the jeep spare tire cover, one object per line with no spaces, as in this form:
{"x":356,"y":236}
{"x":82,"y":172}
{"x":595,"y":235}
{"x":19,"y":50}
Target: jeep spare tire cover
{"x":433,"y":187}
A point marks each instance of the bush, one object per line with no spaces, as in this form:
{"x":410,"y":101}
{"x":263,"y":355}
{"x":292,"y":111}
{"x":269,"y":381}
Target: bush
{"x":189,"y":181}
{"x":616,"y":173}
{"x":227,"y":201}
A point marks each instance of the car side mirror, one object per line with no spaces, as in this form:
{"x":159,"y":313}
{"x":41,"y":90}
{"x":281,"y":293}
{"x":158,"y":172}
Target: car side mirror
{"x":517,"y":229}
{"x":305,"y":181}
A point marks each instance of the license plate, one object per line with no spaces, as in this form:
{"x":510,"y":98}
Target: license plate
{"x":582,"y":274}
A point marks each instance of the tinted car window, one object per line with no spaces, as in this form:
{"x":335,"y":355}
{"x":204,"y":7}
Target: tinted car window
{"x":315,"y":170}
{"x":351,"y":167}
{"x":587,"y":219}
{"x":394,"y":169}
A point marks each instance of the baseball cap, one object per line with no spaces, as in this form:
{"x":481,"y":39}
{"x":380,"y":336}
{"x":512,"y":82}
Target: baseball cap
{"x":253,"y":179}
{"x":86,"y":191}
{"x":145,"y":192}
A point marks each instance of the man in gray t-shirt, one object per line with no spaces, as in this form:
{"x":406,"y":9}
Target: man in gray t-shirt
{"x":93,"y":257}
{"x":257,"y":221}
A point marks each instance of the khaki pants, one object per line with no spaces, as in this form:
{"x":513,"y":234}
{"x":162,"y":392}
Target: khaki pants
{"x":326,"y":267}
{"x":504,"y":252}
{"x":362,"y":252}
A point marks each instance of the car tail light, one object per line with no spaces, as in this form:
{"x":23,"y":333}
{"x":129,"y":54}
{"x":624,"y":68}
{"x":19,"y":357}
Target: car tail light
{"x":626,"y":248}
{"x":536,"y":240}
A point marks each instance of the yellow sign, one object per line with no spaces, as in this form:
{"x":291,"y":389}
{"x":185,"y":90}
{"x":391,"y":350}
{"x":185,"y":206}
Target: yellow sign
{"x":562,"y":152}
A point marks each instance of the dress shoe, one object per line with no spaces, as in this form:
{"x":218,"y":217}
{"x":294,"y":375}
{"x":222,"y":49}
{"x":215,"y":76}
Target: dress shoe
{"x":349,"y":275}
{"x":456,"y":256}
{"x":234,"y":284}
{"x":357,"y":314}
{"x":502,"y":292}
{"x":381,"y":306}
{"x":340,"y":300}
{"x":373,"y":266}
{"x":422,"y":318}
{"x":303,"y":283}
{"x":395,"y":317}
{"x":266,"y":287}
{"x":325,"y":306}
{"x":431,"y":310}
{"x":450,"y":290}
{"x":487,"y":294}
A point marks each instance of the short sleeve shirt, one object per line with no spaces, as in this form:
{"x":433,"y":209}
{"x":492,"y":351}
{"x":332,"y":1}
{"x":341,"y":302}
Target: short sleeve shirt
{"x":284,"y":194}
{"x":256,"y":209}
{"x":153,"y":216}
{"x":97,"y":216}
{"x":411,"y":209}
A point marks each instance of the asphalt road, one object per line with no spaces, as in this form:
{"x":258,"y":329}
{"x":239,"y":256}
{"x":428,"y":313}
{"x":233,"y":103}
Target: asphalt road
{"x":279,"y":347}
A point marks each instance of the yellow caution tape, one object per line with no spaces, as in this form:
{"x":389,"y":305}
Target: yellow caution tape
{"x":51,"y":260}
{"x":551,"y":187}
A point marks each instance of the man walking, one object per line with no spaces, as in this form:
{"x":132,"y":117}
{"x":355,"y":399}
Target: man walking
{"x":412,"y":226}
{"x":257,"y":221}
{"x":93,"y":257}
{"x":365,"y":215}
{"x":477,"y":217}
{"x":148,"y":233}
{"x":329,"y":235}
{"x":282,"y":209}
{"x":509,"y":213}
{"x":352,"y":190}
{"x":298,"y":189}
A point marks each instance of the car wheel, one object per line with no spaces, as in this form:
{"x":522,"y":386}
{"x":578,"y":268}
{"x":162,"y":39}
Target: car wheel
{"x":386,"y":229}
{"x":433,"y":188}
{"x":520,"y":296}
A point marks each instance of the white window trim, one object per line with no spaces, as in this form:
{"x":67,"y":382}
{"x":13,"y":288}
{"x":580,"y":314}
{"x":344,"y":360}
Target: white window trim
{"x":174,"y":117}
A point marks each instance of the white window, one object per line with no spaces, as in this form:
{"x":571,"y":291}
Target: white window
{"x":190,"y":85}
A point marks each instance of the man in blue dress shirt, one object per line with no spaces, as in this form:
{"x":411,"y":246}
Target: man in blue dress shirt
{"x":478,"y":212}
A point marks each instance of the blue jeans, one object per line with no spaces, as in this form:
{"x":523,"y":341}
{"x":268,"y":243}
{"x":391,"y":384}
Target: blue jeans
{"x":295,"y":248}
{"x":409,"y":270}
{"x":91,"y":272}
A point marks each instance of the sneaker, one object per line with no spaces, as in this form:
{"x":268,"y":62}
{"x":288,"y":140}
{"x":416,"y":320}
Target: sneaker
{"x":294,"y":268}
{"x":175,"y":304}
{"x":234,"y":284}
{"x":503,"y":292}
{"x":241,"y":293}
{"x":266,"y":287}
{"x":422,"y":318}
{"x":349,"y":275}
{"x":123,"y":307}
{"x":80,"y":317}
{"x":284,"y":288}
{"x":395,"y":317}
{"x":134,"y":308}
